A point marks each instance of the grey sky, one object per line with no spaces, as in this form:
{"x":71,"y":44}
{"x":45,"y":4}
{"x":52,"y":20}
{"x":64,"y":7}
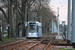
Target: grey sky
{"x":63,"y":7}
{"x":61,"y":2}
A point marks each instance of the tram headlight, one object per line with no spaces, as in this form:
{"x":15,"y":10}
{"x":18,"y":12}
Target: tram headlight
{"x":29,"y":33}
{"x":34,"y":33}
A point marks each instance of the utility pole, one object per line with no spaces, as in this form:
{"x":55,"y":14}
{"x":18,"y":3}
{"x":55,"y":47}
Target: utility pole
{"x":68,"y":27}
{"x":41,"y":20}
{"x":73,"y":23}
{"x":58,"y":18}
{"x":9,"y":28}
{"x":34,"y":15}
{"x":52,"y":26}
{"x":48,"y":27}
{"x":34,"y":18}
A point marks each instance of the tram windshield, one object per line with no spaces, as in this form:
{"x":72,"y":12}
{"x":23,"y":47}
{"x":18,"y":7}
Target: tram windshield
{"x":32,"y":28}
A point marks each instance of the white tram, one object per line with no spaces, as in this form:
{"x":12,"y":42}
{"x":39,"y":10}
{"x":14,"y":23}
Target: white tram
{"x":34,"y":29}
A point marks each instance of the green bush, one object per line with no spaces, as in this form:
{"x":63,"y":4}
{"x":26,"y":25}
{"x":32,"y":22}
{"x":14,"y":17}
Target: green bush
{"x":67,"y":49}
{"x":6,"y":40}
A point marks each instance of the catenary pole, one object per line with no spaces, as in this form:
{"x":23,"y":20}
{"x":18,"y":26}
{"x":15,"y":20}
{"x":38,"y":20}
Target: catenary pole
{"x":58,"y":18}
{"x":52,"y":25}
{"x":73,"y":23}
{"x":68,"y":26}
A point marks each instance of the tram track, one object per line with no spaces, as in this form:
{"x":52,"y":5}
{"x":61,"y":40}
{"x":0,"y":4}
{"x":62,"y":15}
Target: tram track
{"x":49,"y":45}
{"x":42,"y":45}
{"x":37,"y":44}
{"x":11,"y":45}
{"x":30,"y":44}
{"x":26,"y":45}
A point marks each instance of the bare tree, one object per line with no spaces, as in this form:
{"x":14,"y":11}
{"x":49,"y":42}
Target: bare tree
{"x":22,"y":9}
{"x":43,"y":10}
{"x":0,"y":34}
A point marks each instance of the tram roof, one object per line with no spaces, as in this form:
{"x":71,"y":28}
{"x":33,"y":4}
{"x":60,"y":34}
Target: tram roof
{"x":33,"y":22}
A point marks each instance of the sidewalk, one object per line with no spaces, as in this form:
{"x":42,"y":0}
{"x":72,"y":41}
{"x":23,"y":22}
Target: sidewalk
{"x":59,"y":37}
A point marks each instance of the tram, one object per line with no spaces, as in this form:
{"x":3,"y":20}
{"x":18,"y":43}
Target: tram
{"x":34,"y":29}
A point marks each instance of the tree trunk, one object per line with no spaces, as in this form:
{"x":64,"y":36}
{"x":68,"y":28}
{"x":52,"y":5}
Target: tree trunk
{"x":16,"y":19}
{"x":4,"y":14}
{"x":12,"y":26}
{"x":9,"y":21}
{"x":23,"y":30}
{"x":23,"y":17}
{"x":0,"y":34}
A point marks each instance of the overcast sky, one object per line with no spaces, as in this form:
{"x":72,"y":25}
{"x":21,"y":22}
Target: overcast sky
{"x":63,"y":5}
